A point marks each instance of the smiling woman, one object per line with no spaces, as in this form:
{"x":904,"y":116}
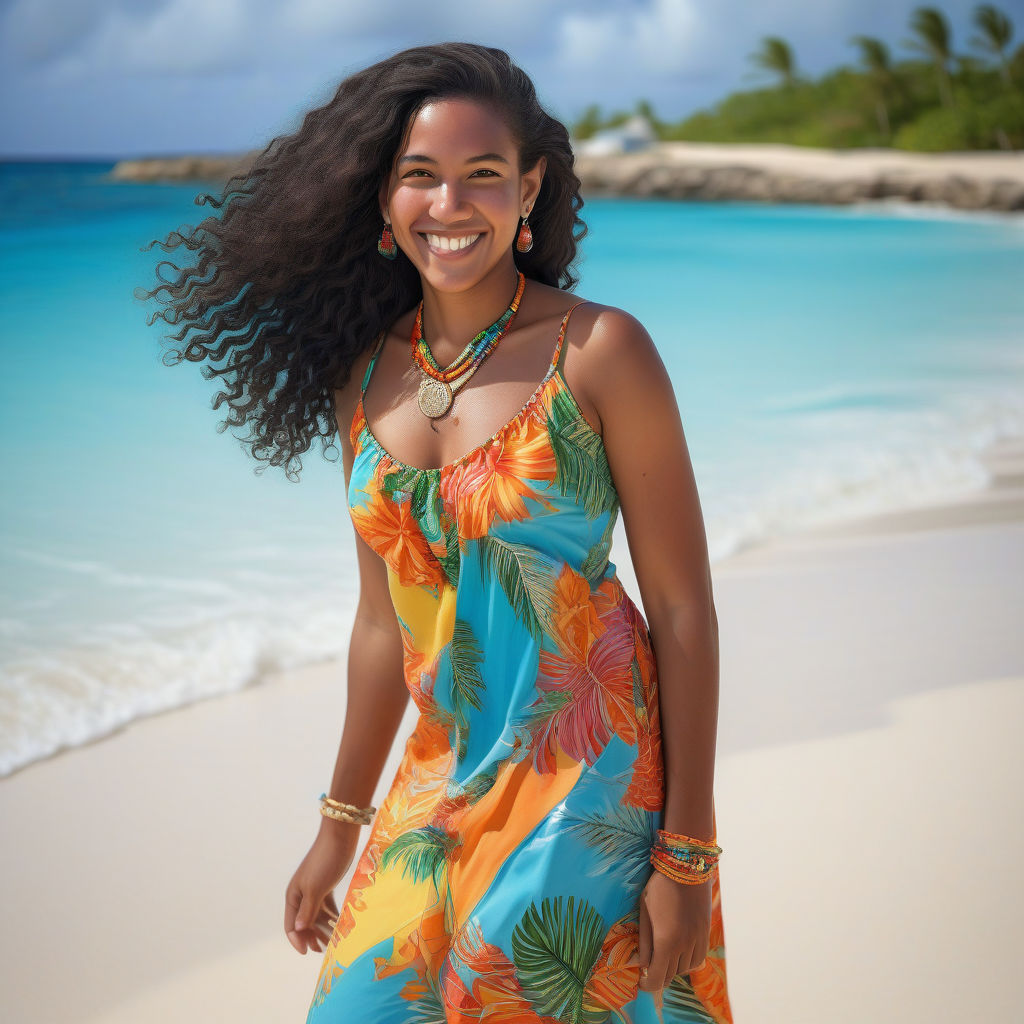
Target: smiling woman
{"x":547,"y":849}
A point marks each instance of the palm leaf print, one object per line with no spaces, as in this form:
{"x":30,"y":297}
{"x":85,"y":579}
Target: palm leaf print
{"x":596,"y":562}
{"x":682,"y":1003}
{"x":554,"y":952}
{"x":639,"y":698}
{"x":421,"y":852}
{"x":427,"y":1007}
{"x":526,"y":577}
{"x":532,"y":721}
{"x":477,"y":786}
{"x":426,"y":503}
{"x":465,"y":656}
{"x":439,"y":716}
{"x":399,"y":483}
{"x":451,"y":561}
{"x":582,"y":466}
{"x":622,"y":838}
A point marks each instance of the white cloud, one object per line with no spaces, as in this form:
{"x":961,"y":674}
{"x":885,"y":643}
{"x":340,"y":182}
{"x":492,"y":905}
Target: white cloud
{"x":662,"y":38}
{"x":198,"y":37}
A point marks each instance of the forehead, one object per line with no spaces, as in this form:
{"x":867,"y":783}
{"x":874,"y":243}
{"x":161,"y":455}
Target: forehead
{"x":448,"y":126}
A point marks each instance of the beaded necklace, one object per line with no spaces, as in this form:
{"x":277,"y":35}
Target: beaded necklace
{"x":438,"y":385}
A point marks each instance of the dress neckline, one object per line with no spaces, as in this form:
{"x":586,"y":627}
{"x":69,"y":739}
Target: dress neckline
{"x":476,"y":450}
{"x":360,"y":412}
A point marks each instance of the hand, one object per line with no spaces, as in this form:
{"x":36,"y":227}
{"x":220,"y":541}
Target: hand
{"x":675,"y":928}
{"x":309,"y":906}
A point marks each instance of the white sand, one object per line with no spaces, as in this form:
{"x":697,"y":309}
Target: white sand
{"x":844,"y":163}
{"x":869,"y":769}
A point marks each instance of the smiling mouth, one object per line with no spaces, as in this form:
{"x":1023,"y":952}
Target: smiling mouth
{"x":449,"y":245}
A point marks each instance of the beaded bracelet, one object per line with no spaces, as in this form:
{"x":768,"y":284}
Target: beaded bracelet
{"x":685,"y":859}
{"x":345,"y":812}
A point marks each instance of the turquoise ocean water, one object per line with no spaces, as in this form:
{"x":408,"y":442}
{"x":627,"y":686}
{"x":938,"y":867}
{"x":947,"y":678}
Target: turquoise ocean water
{"x":827,"y":362}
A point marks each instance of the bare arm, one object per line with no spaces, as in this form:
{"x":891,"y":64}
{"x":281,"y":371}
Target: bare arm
{"x":629,"y":387}
{"x":377,"y":694}
{"x":377,"y":699}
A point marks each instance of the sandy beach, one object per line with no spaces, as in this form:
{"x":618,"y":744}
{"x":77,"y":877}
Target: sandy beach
{"x":867,"y":795}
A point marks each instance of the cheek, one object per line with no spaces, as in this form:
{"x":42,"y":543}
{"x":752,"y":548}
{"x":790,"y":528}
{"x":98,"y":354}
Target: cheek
{"x":406,"y":204}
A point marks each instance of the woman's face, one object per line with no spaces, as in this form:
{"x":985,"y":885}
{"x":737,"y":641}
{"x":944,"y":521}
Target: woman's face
{"x":457,"y":178}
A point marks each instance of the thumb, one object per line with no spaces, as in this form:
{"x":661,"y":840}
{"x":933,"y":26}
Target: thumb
{"x":308,"y":910}
{"x":642,"y":956}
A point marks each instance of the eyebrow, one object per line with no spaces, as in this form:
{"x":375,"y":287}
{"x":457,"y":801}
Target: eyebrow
{"x":419,"y":158}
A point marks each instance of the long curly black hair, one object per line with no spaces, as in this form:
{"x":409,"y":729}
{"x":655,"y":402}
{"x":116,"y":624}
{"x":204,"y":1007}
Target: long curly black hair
{"x":288,"y":287}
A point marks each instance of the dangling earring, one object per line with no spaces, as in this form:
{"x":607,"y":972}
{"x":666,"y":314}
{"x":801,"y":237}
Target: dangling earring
{"x":524,"y":240}
{"x":386,"y":243}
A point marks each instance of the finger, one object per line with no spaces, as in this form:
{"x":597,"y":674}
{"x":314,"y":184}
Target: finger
{"x":644,"y":940}
{"x":292,"y":902}
{"x":658,"y":999}
{"x":685,"y":960}
{"x":327,"y":915}
{"x":308,"y":911}
{"x":658,"y":976}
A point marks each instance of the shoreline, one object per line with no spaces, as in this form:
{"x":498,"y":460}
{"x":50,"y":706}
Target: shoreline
{"x":766,"y":172}
{"x":872,"y":672}
{"x":999,"y":500}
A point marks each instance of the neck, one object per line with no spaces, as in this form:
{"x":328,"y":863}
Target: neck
{"x":452,"y":319}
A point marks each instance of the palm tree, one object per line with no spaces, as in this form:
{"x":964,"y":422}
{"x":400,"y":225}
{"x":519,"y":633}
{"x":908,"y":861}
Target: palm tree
{"x":996,"y":32}
{"x":588,"y":123}
{"x":874,"y":55}
{"x":776,"y":56}
{"x":933,"y":40}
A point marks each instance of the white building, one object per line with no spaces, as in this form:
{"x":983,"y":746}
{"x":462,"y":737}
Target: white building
{"x":632,"y":135}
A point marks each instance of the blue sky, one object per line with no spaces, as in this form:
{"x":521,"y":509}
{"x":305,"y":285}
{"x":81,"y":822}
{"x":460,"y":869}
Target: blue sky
{"x":113,"y":78}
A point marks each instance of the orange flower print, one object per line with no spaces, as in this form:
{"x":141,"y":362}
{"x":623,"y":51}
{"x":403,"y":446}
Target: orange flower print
{"x":575,"y":617}
{"x":612,"y":982}
{"x":494,"y":481}
{"x":392,"y":531}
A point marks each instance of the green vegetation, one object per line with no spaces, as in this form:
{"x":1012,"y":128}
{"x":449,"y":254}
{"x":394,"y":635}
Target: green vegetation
{"x":934,"y":100}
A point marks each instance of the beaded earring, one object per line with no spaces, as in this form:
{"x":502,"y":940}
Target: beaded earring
{"x":386,"y":245}
{"x":524,"y":241}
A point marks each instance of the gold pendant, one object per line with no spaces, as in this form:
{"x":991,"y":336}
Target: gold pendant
{"x":435,"y":397}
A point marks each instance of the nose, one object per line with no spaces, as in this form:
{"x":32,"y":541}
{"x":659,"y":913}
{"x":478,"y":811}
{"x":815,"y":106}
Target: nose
{"x":447,"y":204}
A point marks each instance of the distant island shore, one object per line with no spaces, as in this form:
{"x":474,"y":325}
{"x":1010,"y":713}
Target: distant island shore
{"x":971,"y":180}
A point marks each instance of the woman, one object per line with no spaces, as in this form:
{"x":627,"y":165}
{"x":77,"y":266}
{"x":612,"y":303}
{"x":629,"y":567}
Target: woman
{"x":546,"y":850}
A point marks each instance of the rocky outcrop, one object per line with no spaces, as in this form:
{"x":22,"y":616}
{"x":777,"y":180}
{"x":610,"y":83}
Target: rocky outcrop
{"x":791,"y":174}
{"x":210,"y":169}
{"x":707,"y":171}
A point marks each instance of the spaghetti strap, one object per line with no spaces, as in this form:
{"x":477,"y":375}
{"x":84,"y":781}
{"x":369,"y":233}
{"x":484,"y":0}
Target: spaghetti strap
{"x":558,"y":360}
{"x":373,"y":359}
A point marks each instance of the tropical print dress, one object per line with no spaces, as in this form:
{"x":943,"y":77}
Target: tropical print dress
{"x":502,"y":874}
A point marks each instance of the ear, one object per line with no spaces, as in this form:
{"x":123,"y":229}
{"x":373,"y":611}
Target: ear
{"x":382,"y":200}
{"x":532,"y":180}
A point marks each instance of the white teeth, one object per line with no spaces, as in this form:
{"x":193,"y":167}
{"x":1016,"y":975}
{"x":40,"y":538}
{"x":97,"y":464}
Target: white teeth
{"x":450,"y":244}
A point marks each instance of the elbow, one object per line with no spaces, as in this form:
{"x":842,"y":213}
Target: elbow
{"x":689,"y":624}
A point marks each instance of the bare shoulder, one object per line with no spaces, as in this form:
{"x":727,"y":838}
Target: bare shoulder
{"x":609,"y":334}
{"x":606,"y":346}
